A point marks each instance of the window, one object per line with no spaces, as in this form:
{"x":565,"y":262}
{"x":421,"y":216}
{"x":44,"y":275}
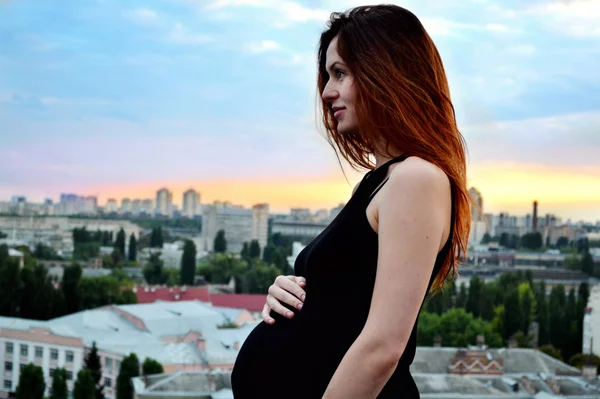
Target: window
{"x":108,"y":362}
{"x":24,"y":350}
{"x":7,"y":366}
{"x":118,"y":365}
{"x":69,"y":375}
{"x":69,"y":356}
{"x":9,"y":347}
{"x":107,"y":382}
{"x":7,"y":384}
{"x":39,"y":352}
{"x":53,"y":354}
{"x":52,"y":372}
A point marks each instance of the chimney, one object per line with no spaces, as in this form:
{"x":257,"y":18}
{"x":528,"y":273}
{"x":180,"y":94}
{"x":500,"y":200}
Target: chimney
{"x":480,"y":340}
{"x":535,"y":216}
{"x":437,"y":341}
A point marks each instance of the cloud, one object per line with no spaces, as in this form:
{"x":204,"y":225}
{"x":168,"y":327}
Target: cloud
{"x":575,"y":18}
{"x":289,"y":12}
{"x":179,"y":34}
{"x":143,"y":16}
{"x":522,"y":49}
{"x":263,"y":46}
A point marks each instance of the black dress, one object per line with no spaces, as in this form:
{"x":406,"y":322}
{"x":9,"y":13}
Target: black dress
{"x":296,"y":358}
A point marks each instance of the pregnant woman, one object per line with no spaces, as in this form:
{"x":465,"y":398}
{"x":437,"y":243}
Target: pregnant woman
{"x":344,"y":327}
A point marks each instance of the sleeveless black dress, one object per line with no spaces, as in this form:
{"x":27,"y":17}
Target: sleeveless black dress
{"x":296,"y":358}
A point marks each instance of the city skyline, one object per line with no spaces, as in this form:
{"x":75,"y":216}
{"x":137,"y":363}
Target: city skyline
{"x":118,"y":100}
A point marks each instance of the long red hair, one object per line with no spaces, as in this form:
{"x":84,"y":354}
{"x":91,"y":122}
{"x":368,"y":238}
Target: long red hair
{"x":402,"y":99}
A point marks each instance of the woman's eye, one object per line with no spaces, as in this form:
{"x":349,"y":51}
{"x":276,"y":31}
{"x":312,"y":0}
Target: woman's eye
{"x":339,"y":73}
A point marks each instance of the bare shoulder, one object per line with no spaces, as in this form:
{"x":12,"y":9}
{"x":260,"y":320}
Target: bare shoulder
{"x":417,"y":173}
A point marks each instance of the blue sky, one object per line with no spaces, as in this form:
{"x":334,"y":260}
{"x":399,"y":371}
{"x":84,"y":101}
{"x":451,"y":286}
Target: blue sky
{"x":116,"y":98}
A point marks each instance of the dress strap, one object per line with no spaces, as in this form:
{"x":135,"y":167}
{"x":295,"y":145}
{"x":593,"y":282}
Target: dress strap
{"x":386,"y":165}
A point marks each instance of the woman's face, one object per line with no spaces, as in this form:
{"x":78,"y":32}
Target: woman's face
{"x":339,"y":93}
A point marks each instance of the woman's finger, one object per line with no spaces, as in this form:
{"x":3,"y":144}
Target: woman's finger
{"x":266,"y":314}
{"x":277,"y":307}
{"x":282,"y":295}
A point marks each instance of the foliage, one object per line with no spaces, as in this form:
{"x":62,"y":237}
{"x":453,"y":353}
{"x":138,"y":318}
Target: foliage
{"x":188,"y":263}
{"x":132,"y":250}
{"x":551,"y":351}
{"x":220,"y":245}
{"x":84,"y":385}
{"x":151,"y":366}
{"x":579,"y":360}
{"x":154,"y":271}
{"x":31,"y":383}
{"x":59,"y":388}
{"x":130,"y":367}
{"x":156,"y":238}
{"x":93,"y":364}
{"x":120,"y":243}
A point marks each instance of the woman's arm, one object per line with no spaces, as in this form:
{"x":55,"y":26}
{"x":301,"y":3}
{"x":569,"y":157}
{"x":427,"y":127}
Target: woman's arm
{"x":414,"y":213}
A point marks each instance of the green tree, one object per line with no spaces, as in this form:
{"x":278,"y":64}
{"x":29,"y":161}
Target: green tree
{"x":513,"y":315}
{"x":130,"y":367}
{"x":269,"y":253}
{"x":151,"y":366}
{"x":245,"y":254}
{"x":93,"y":364}
{"x":71,"y":287}
{"x":462,"y":296}
{"x":220,"y":242}
{"x":128,"y":297}
{"x":579,"y":360}
{"x":474,"y":296}
{"x":37,"y":293}
{"x":551,"y":351}
{"x":528,"y":305}
{"x":84,"y":385}
{"x":120,"y":241}
{"x":10,"y":284}
{"x":254,"y":250}
{"x":505,"y":239}
{"x":221,"y":268}
{"x":562,"y":242}
{"x":116,"y":256}
{"x":532,"y":241}
{"x":188,"y":263}
{"x":542,"y":316}
{"x":31,"y":383}
{"x":557,"y":317}
{"x":154,"y":271}
{"x":132,"y":253}
{"x":587,"y":264}
{"x":59,"y":385}
{"x":486,"y":238}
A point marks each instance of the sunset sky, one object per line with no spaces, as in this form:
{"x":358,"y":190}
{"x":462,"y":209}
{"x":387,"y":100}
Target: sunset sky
{"x":120,"y":98}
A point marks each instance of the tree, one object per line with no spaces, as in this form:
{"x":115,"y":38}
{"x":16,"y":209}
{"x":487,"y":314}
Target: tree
{"x":562,"y":242}
{"x":120,"y":241}
{"x":513,"y":315}
{"x":587,"y":264}
{"x":542,"y":314}
{"x":59,"y":388}
{"x":474,"y":297}
{"x":532,"y":241}
{"x":188,"y":263}
{"x":486,"y":238}
{"x":10,"y":284}
{"x":557,"y":316}
{"x":551,"y":351}
{"x":70,"y":287}
{"x":130,"y":367}
{"x":254,"y":250}
{"x":220,"y":242}
{"x":31,"y":383}
{"x":116,"y":257}
{"x":269,"y":253}
{"x":505,"y":239}
{"x":151,"y":366}
{"x":84,"y":385}
{"x":462,"y":296}
{"x":245,"y":254}
{"x":154,"y":271}
{"x":528,"y":305}
{"x":156,"y":238}
{"x":92,"y":363}
{"x":132,"y":253}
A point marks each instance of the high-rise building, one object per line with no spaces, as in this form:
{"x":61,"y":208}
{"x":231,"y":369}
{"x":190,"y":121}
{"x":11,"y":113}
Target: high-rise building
{"x":191,"y":203}
{"x":147,"y":206}
{"x":164,"y":201}
{"x":72,"y":204}
{"x":111,"y":206}
{"x":136,"y":206}
{"x":239,"y":224}
{"x":476,"y":204}
{"x":125,"y":205}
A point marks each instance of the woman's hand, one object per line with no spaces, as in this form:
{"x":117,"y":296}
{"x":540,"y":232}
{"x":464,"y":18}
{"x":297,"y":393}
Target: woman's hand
{"x":288,"y":290}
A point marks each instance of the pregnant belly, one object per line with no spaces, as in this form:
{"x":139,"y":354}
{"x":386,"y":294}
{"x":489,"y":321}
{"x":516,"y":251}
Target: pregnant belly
{"x":271,"y":362}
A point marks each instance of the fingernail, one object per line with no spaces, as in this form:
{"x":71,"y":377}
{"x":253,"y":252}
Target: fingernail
{"x":303,"y":296}
{"x":289,"y":314}
{"x":299,"y":306}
